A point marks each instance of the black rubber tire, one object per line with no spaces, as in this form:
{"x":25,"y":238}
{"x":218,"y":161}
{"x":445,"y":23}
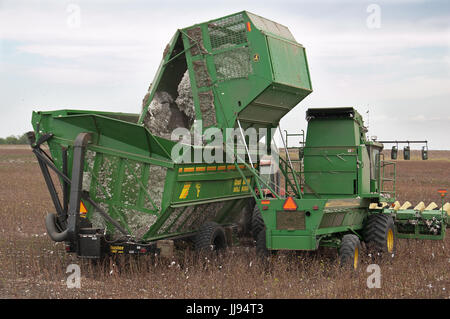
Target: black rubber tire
{"x":350,"y":251}
{"x":261,"y":248}
{"x":257,"y":222}
{"x":245,"y":222}
{"x":211,"y":236}
{"x":379,"y":233}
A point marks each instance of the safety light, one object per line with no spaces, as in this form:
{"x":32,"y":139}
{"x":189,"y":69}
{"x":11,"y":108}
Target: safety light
{"x":406,"y":153}
{"x":83,"y":210}
{"x":424,"y":153}
{"x":289,"y":204}
{"x":394,"y":152}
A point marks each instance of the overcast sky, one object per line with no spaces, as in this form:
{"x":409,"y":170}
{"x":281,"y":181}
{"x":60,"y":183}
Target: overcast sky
{"x":389,"y":57}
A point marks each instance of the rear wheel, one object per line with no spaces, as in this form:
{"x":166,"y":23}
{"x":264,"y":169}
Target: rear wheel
{"x":211,"y":236}
{"x":350,"y":250}
{"x":245,"y":222}
{"x":379,"y":233}
{"x":257,"y":222}
{"x":261,"y":248}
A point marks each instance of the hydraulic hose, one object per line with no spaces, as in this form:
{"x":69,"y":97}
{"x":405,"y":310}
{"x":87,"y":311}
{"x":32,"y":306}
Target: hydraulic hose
{"x":52,"y":229}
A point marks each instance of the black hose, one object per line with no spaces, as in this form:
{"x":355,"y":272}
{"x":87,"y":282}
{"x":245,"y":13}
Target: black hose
{"x":52,"y":230}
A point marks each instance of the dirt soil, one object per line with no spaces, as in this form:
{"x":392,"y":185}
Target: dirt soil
{"x":33,"y":266}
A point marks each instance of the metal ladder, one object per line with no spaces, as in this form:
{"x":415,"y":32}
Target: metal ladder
{"x":387,"y":183}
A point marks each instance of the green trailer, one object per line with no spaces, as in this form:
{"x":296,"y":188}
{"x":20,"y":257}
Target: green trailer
{"x":137,"y":183}
{"x":124,"y":190}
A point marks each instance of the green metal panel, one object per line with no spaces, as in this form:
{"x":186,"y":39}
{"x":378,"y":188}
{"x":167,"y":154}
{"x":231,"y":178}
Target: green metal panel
{"x":289,"y":63}
{"x":237,"y":67}
{"x":130,"y":174}
{"x":427,"y":224}
{"x":270,"y":27}
{"x":314,"y":220}
{"x":331,"y":170}
{"x":364,"y":180}
{"x":331,"y":132}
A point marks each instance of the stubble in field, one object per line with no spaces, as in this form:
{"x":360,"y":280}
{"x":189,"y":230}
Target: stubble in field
{"x":32,"y":266}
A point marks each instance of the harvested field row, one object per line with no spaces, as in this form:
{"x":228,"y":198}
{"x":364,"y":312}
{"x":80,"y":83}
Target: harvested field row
{"x":32,"y":266}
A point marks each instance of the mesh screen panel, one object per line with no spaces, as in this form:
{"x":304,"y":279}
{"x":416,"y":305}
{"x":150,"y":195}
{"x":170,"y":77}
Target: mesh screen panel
{"x":233,"y":64}
{"x":229,"y":30}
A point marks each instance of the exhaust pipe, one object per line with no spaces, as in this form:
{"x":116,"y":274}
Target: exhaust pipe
{"x":52,"y":229}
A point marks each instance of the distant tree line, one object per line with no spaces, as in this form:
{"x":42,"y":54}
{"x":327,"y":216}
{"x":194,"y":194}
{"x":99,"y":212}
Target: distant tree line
{"x":19,"y":139}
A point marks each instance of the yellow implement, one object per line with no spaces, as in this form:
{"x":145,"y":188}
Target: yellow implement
{"x":406,"y":205}
{"x":420,"y":206}
{"x":431,"y":206}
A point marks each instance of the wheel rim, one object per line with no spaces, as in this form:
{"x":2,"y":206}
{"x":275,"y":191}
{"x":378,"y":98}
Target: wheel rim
{"x":390,"y":240}
{"x":356,"y":258}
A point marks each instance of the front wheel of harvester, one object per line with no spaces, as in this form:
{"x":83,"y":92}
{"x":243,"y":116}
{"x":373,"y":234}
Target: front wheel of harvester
{"x":211,"y":236}
{"x":379,"y":233}
{"x":350,"y":250}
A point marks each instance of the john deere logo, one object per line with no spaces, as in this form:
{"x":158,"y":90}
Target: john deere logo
{"x":256,"y":57}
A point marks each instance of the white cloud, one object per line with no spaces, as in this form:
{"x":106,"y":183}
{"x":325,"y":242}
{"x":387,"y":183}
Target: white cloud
{"x":119,"y":45}
{"x":422,"y":118}
{"x":69,"y":51}
{"x":70,"y":75}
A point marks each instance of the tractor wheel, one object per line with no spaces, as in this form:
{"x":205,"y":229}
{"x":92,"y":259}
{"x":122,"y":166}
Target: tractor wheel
{"x":257,"y":222}
{"x":379,"y":233}
{"x":349,"y":250}
{"x":261,"y":248}
{"x":245,"y":222}
{"x":211,"y":236}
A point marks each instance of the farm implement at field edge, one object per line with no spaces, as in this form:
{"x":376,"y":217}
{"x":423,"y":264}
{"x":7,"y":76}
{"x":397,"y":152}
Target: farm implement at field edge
{"x":123,"y":192}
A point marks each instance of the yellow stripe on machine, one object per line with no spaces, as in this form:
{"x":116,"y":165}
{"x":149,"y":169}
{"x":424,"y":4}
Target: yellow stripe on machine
{"x":185,"y":190}
{"x":116,"y":249}
{"x":209,"y":168}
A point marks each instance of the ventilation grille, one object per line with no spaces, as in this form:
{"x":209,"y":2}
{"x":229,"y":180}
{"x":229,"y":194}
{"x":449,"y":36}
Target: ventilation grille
{"x":233,"y":64}
{"x":229,"y":30}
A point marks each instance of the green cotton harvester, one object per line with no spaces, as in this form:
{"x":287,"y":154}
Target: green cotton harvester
{"x":131,"y":184}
